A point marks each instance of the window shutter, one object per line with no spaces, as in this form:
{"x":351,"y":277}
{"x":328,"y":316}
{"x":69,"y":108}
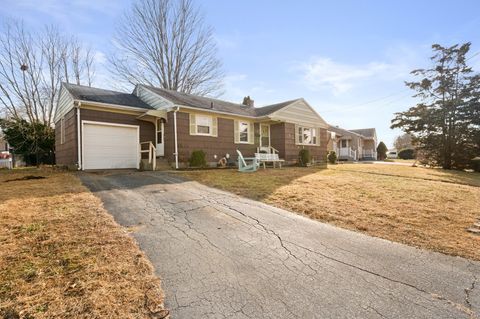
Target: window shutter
{"x":236,"y":133}
{"x":214,"y":127}
{"x":251,"y":133}
{"x":318,"y":135}
{"x":297,"y":136}
{"x":193,"y":130}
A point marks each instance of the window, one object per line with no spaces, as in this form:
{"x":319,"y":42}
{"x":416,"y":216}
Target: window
{"x":62,"y":130}
{"x":307,"y":135}
{"x":344,"y":143}
{"x":243,"y":130}
{"x":204,"y":124}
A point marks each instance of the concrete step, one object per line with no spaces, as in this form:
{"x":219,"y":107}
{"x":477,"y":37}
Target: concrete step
{"x":474,"y":230}
{"x":162,"y":164}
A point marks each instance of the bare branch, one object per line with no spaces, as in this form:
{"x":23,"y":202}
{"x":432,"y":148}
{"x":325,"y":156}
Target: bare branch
{"x":166,"y":43}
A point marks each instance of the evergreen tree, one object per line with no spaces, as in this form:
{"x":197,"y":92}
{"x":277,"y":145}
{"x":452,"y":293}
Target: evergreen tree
{"x":34,"y":140}
{"x":381,"y":151}
{"x":445,"y":124}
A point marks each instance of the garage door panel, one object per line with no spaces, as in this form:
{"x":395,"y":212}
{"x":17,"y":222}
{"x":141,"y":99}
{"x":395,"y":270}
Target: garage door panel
{"x":110,"y":146}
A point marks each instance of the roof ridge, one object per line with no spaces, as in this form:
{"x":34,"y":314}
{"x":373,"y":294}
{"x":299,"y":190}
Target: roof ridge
{"x":288,"y":101}
{"x":217,"y":99}
{"x":200,"y":96}
{"x":93,"y":87}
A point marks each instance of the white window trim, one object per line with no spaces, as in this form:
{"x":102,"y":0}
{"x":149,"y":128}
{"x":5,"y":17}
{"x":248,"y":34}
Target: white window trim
{"x":211,"y":126}
{"x":248,"y":132}
{"x":62,"y":130}
{"x":317,"y":135}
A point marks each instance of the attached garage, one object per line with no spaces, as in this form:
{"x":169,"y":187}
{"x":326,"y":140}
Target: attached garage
{"x":110,"y":146}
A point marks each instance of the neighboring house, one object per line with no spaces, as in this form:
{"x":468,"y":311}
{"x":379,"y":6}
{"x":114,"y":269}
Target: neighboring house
{"x":353,"y":145}
{"x":3,"y":144}
{"x":5,"y":156}
{"x":103,"y":129}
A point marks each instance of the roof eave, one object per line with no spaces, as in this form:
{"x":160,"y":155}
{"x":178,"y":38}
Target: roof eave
{"x":117,"y":106}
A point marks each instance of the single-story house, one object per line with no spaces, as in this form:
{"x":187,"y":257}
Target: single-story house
{"x":104,"y":129}
{"x":353,"y":145}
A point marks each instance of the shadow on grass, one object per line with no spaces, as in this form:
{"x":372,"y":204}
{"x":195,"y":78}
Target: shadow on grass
{"x":257,"y":185}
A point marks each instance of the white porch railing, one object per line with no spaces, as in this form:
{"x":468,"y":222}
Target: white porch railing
{"x":267,"y":149}
{"x":347,"y":152}
{"x":6,"y":163}
{"x":370,"y":153}
{"x":152,"y":153}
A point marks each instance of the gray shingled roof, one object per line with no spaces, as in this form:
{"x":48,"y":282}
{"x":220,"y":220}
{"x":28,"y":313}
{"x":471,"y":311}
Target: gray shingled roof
{"x":341,"y":131}
{"x":215,"y":104}
{"x":269,"y":109}
{"x":367,"y":132}
{"x":86,"y":93}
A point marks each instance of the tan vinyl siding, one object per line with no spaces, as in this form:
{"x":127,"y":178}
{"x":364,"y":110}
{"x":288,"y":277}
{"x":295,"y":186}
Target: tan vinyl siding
{"x":151,"y":98}
{"x":299,"y":113}
{"x":65,"y":104}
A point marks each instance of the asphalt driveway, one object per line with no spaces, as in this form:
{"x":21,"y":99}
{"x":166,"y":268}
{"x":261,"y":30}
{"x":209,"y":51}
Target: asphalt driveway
{"x":223,"y":256}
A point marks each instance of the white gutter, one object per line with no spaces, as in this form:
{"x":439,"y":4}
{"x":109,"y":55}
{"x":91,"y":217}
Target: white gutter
{"x":175,"y":134}
{"x":113,"y":106}
{"x":79,"y":149}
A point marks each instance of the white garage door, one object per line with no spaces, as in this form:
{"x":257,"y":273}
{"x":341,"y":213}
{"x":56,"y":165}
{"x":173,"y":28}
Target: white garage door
{"x":108,"y":146}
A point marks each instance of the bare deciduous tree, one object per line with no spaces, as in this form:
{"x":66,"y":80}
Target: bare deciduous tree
{"x":166,"y":43}
{"x":403,"y":141}
{"x":32,"y":67}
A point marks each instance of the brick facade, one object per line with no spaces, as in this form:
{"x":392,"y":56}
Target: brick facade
{"x":282,"y":137}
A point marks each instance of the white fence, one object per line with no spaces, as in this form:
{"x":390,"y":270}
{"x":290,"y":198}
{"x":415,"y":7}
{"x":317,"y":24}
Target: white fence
{"x":347,"y":152}
{"x":6,"y":163}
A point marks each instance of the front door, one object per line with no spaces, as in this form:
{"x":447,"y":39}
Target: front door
{"x":264,"y":135}
{"x":160,"y":137}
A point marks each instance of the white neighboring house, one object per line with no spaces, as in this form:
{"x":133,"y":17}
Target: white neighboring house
{"x":353,"y":145}
{"x":5,"y":156}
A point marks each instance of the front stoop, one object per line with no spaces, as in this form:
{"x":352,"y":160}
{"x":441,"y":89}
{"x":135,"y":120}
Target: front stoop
{"x":163,"y":165}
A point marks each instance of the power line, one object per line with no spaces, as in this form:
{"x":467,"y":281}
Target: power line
{"x":354,"y":106}
{"x":474,"y":55}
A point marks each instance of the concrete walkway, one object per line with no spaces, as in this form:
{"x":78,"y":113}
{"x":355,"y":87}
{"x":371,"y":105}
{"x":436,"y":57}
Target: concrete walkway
{"x":223,"y":256}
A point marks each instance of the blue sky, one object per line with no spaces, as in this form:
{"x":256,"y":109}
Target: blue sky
{"x":348,"y":59}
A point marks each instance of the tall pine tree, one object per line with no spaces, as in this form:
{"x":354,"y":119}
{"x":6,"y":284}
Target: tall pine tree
{"x":445,"y":125}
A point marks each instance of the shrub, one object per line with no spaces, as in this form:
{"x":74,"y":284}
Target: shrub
{"x":382,"y":151}
{"x":476,"y":164}
{"x":406,"y":154}
{"x":332,"y":157}
{"x":304,"y":156}
{"x":197,"y":159}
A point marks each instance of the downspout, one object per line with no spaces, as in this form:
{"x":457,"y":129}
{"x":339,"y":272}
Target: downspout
{"x":175,"y":135}
{"x":79,"y":155}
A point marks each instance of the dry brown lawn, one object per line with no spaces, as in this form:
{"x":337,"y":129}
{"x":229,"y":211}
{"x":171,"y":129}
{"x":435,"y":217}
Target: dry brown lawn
{"x":63,"y":256}
{"x":427,"y":208}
